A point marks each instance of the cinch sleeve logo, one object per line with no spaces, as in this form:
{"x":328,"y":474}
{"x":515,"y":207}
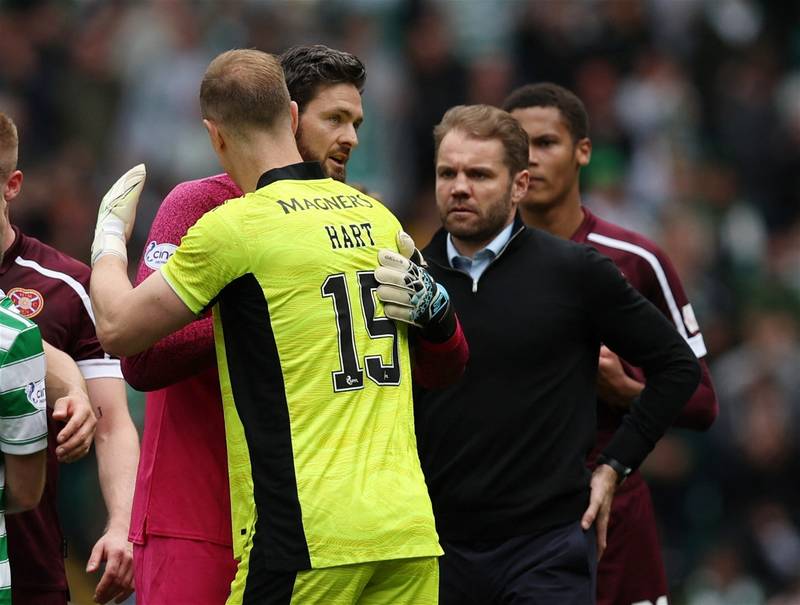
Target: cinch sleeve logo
{"x":156,"y":255}
{"x":35,"y":393}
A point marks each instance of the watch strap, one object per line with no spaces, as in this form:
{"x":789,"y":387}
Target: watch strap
{"x":621,"y":470}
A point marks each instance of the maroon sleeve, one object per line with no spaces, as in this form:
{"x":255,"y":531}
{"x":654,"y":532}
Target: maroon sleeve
{"x":665,"y":290}
{"x":701,"y":410}
{"x":438,"y":365}
{"x":191,"y":349}
{"x":81,"y":336}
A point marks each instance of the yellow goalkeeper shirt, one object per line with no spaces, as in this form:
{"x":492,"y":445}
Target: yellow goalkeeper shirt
{"x":316,"y":381}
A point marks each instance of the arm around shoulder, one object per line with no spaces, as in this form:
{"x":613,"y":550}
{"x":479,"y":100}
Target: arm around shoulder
{"x":131,"y":319}
{"x":176,"y":357}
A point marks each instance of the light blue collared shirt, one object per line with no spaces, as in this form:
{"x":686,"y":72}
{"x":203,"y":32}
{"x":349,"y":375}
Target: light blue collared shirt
{"x":476,"y":265}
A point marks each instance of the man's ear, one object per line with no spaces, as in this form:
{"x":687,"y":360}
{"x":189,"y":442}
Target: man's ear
{"x":519,"y":186}
{"x":12,"y":186}
{"x":583,"y":152}
{"x":215,"y":136}
{"x":294,"y":110}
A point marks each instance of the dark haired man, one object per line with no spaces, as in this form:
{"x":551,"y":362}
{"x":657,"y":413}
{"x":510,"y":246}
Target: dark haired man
{"x":327,"y":87}
{"x":184,"y":441}
{"x":558,"y":127}
{"x":503,"y":449}
{"x":316,"y":382}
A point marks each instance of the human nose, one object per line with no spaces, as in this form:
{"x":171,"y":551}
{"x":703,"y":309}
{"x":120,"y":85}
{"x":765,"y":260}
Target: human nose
{"x":460,"y":185}
{"x":533,"y":159}
{"x":349,"y":136}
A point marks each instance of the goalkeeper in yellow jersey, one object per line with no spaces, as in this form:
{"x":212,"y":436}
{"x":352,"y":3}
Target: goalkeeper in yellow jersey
{"x":329,"y":504}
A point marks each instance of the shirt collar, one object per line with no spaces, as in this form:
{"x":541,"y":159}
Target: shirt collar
{"x":299,"y":171}
{"x":493,"y":247}
{"x":585,"y":227}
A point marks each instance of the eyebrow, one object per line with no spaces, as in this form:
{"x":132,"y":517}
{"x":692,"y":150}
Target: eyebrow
{"x":482,"y":167}
{"x":344,"y":110}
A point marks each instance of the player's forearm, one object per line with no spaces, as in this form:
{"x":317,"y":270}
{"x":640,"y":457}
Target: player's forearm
{"x":117,"y":450}
{"x":110,"y":290}
{"x":116,"y":447}
{"x":172,"y":359}
{"x":24,"y":481}
{"x":63,"y":377}
{"x":438,"y":365}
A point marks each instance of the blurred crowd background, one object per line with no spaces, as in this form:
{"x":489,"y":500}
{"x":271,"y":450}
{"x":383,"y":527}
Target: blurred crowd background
{"x":695,"y":111}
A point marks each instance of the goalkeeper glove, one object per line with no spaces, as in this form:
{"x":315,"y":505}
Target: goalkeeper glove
{"x":116,"y":215}
{"x":409,"y":293}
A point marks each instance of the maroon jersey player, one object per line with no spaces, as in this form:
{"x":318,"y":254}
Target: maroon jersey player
{"x":51,"y":289}
{"x":557,"y":125}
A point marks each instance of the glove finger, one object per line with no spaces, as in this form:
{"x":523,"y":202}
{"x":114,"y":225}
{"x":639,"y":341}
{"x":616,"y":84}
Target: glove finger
{"x":405,"y":244}
{"x":407,"y":247}
{"x":127,"y":183}
{"x":398,"y":313}
{"x":393,"y":260}
{"x":392,"y":294}
{"x":392,"y":277}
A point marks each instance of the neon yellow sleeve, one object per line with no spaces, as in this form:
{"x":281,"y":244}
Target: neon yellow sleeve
{"x":211,"y":255}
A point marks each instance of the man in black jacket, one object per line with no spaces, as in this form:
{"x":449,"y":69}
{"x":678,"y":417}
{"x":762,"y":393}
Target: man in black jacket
{"x":504,"y":449}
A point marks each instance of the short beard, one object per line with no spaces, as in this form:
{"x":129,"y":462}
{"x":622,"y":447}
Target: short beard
{"x":494,"y":224}
{"x":308,"y":156}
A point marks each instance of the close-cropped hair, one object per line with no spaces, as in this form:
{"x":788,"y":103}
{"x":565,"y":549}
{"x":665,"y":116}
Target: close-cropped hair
{"x":307,"y":68}
{"x":9,"y":146}
{"x":244,"y":88}
{"x":486,"y":122}
{"x":547,"y":94}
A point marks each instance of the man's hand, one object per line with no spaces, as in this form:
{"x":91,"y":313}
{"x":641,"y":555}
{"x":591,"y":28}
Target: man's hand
{"x":614,"y":386}
{"x":408,"y":292}
{"x":75,"y":439}
{"x":603,"y":485}
{"x":117,"y":580}
{"x":116,"y":215}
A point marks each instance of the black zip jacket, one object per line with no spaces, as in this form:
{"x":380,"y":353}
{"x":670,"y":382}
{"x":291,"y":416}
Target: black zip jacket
{"x":504,"y":449}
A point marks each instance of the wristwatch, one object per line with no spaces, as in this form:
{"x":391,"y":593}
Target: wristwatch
{"x":622,"y":470}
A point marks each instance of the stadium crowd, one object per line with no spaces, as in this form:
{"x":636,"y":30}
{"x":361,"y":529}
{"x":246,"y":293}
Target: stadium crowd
{"x":695,"y":120}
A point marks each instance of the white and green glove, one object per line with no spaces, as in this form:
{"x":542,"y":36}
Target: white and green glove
{"x":117,"y":214}
{"x":409,"y":293}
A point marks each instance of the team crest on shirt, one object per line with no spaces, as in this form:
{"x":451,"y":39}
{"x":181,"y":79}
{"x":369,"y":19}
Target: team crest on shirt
{"x":156,"y":255}
{"x":28,"y":302}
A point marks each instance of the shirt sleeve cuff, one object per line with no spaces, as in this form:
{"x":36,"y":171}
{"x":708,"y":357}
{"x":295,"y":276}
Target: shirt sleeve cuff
{"x":100,"y":368}
{"x":23,"y":449}
{"x":450,"y":344}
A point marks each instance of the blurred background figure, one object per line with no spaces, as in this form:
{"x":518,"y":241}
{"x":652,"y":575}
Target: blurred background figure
{"x":695,"y":111}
